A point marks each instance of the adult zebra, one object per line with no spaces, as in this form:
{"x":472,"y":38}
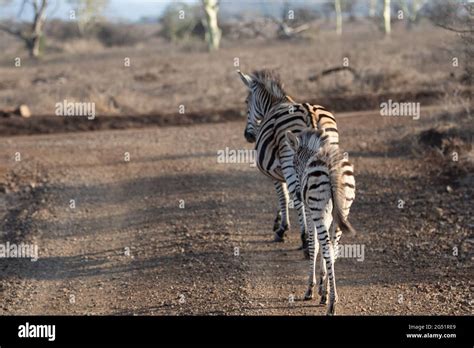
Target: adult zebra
{"x":270,"y":114}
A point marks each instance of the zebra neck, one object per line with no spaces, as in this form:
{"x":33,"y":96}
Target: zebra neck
{"x":267,"y":108}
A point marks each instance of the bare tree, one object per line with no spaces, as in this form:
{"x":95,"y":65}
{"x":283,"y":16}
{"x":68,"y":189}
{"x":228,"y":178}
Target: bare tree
{"x":458,"y":18}
{"x":386,"y":17}
{"x":415,"y":7}
{"x":87,"y":12}
{"x":372,"y":8}
{"x":412,"y":12}
{"x":213,"y":33}
{"x":285,"y":30}
{"x":340,"y":6}
{"x":33,"y":35}
{"x":337,"y":7}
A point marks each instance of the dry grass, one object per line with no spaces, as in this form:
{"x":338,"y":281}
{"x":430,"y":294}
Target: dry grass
{"x":445,"y":148}
{"x":188,"y":75}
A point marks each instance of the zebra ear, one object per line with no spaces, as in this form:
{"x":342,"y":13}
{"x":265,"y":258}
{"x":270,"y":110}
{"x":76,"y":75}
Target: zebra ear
{"x":292,"y":140}
{"x":246,"y":79}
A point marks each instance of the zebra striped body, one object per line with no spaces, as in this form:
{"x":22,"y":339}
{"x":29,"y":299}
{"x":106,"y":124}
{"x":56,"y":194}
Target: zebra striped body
{"x":285,"y":117}
{"x":323,"y":119}
{"x":327,"y":185}
{"x":271,"y":113}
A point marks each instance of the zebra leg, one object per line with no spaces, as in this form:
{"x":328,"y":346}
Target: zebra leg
{"x":277,"y":223}
{"x":327,"y":259}
{"x":282,"y":215}
{"x":302,"y":221}
{"x":295,"y":192}
{"x":333,"y":298}
{"x":313,"y":247}
{"x":321,"y":215}
{"x":322,"y":283}
{"x":323,"y":273}
{"x":337,"y":237}
{"x":305,"y":246}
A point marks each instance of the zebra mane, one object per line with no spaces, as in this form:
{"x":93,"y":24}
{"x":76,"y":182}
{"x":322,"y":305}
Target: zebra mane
{"x":312,"y":139}
{"x":317,"y":142}
{"x":270,"y":80}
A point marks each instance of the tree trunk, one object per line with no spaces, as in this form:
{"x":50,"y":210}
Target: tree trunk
{"x":386,"y":16}
{"x":372,"y":8}
{"x":337,"y":5}
{"x":213,"y":33}
{"x":415,"y":7}
{"x":37,"y":28}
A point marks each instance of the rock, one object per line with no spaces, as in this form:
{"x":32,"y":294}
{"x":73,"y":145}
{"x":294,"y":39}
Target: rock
{"x":24,"y":111}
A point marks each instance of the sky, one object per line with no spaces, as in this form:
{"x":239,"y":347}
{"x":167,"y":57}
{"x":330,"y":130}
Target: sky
{"x":130,"y":10}
{"x":134,"y":10}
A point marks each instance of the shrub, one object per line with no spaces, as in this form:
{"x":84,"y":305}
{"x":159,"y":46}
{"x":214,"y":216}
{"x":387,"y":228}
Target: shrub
{"x":118,"y":34}
{"x":175,"y":28}
{"x":61,"y":30}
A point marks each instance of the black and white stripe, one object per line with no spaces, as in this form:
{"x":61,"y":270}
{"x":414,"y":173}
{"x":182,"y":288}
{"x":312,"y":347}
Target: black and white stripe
{"x":327,"y":186}
{"x":270,"y":114}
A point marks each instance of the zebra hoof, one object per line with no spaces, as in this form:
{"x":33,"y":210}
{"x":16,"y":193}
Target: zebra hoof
{"x":308,"y":295}
{"x":280,"y":234}
{"x":324,"y":299}
{"x":279,"y":238}
{"x":331,"y":309}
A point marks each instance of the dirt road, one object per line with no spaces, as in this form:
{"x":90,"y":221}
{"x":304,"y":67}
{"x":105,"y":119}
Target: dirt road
{"x":172,"y":231}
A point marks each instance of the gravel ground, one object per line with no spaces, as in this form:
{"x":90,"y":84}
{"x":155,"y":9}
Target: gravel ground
{"x":172,"y":231}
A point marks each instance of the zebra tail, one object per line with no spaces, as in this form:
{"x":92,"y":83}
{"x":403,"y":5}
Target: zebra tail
{"x":341,"y":221}
{"x":337,"y":191}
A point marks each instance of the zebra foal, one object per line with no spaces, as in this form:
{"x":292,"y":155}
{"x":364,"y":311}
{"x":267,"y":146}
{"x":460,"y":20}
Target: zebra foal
{"x":327,"y":184}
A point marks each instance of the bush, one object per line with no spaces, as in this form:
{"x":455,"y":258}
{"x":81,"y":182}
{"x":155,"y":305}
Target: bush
{"x":61,"y":30}
{"x":175,"y":28}
{"x":118,"y":34}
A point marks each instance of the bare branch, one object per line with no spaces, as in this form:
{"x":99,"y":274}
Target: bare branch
{"x":316,"y":77}
{"x":460,"y":31}
{"x":35,"y":6}
{"x":11,"y":31}
{"x":22,"y":7}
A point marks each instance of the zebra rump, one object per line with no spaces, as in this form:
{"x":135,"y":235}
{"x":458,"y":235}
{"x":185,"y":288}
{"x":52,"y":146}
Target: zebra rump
{"x":316,"y":143}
